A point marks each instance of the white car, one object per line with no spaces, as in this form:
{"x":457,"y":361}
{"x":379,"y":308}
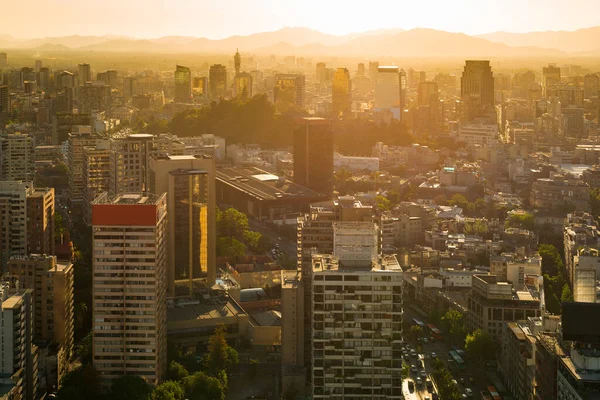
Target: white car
{"x":423,"y":374}
{"x":433,"y":355}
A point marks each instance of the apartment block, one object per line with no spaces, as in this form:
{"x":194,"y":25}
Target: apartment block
{"x":492,"y":302}
{"x":13,"y":225}
{"x":517,"y":359}
{"x":40,"y":221}
{"x":129,"y":157}
{"x":579,"y":230}
{"x":17,"y":157}
{"x":77,"y":140}
{"x":560,"y":192}
{"x":129,"y":286}
{"x":96,"y":174}
{"x":293,"y":372}
{"x":356,"y":332}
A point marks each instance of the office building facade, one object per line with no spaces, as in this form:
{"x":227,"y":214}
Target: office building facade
{"x":313,"y":155}
{"x":183,"y":84}
{"x":341,"y":93}
{"x":217,"y":81}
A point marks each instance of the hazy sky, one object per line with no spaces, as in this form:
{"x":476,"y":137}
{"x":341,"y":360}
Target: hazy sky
{"x":222,"y":18}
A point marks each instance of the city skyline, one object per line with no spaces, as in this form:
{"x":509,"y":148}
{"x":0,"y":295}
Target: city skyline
{"x":229,"y":18}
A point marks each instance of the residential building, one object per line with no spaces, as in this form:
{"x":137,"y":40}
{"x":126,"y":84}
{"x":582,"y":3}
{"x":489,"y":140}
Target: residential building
{"x":96,"y":174}
{"x":591,"y":85}
{"x":355,"y":163}
{"x":365,"y":298}
{"x":491,"y":303}
{"x":586,"y":270}
{"x":322,"y":73}
{"x":560,"y":192}
{"x":189,"y":183}
{"x":476,"y":89}
{"x":341,"y":93}
{"x":4,"y":102}
{"x":129,"y":287}
{"x":313,"y":155}
{"x":17,"y":157}
{"x":478,"y":135}
{"x":243,"y":86}
{"x":427,"y":93}
{"x":52,"y":285}
{"x":517,"y":359}
{"x":515,"y":268}
{"x":550,"y":78}
{"x":77,"y":140}
{"x":64,"y":79}
{"x":17,"y":352}
{"x":93,"y":97}
{"x":217,"y":81}
{"x":400,"y":230}
{"x":3,"y":60}
{"x":292,"y":330}
{"x":27,"y":222}
{"x":579,"y":231}
{"x":84,"y":74}
{"x":129,"y":157}
{"x":183,"y":84}
{"x":389,"y":91}
{"x":289,"y":92}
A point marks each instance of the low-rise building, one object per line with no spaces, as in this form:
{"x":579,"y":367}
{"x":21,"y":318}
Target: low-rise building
{"x":560,"y":192}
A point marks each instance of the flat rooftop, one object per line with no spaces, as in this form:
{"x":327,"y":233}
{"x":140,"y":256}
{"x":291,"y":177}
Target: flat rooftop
{"x":327,"y":262}
{"x":263,"y":185}
{"x":129,"y":198}
{"x":202,"y":310}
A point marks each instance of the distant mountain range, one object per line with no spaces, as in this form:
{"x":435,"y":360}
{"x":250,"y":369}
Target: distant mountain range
{"x":303,"y":41}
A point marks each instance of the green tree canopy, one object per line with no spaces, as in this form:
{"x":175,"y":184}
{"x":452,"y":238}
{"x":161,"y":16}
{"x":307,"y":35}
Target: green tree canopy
{"x":230,"y":247}
{"x":130,"y":387}
{"x":479,"y":345}
{"x":220,"y":356}
{"x":453,"y":321}
{"x":522,"y":221}
{"x":383,"y":204}
{"x":200,"y":386}
{"x":176,"y":371}
{"x":168,"y":390}
{"x":232,"y":223}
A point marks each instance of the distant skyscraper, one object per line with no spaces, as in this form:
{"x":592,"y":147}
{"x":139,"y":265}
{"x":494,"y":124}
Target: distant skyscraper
{"x":341,"y":93}
{"x":44,"y":79}
{"x":388,"y":91}
{"x":590,"y":86}
{"x":243,"y":86}
{"x":217,"y":80}
{"x":427,"y":93}
{"x":84,"y":74}
{"x":38,"y":65}
{"x":322,"y":73}
{"x":64,"y":79}
{"x":189,"y":183}
{"x":83,"y":137}
{"x":129,"y":290}
{"x":200,"y":87}
{"x":477,"y":89}
{"x":361,"y":69}
{"x":289,"y":91}
{"x":550,"y":78}
{"x":183,"y":84}
{"x":94,"y":98}
{"x":3,"y":60}
{"x":129,"y":86}
{"x":313,"y":155}
{"x":237,"y":61}
{"x":373,"y":70}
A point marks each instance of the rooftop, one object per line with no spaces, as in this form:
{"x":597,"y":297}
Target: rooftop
{"x":327,"y":262}
{"x":189,"y":310}
{"x":262,"y":185}
{"x":128,"y":198}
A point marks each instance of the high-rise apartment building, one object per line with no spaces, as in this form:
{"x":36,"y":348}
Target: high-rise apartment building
{"x":84,"y":74}
{"x":477,"y":89}
{"x":17,"y":157}
{"x":341,"y":93}
{"x":243,"y":86}
{"x":550,"y":78}
{"x":129,"y":162}
{"x":373,"y":70}
{"x":288,"y":91}
{"x":44,"y":79}
{"x":96,"y":174}
{"x":591,"y":86}
{"x":52,"y":284}
{"x":292,"y":330}
{"x":40,"y":221}
{"x":189,"y":183}
{"x":3,"y":60}
{"x":4,"y":101}
{"x":322,"y":73}
{"x":129,"y":86}
{"x":313,"y":155}
{"x":365,"y":298}
{"x":77,"y":140}
{"x":94,"y":98}
{"x":427,"y":93}
{"x":361,"y":70}
{"x":580,"y":230}
{"x":183,"y":84}
{"x":129,"y":286}
{"x":585,"y":273}
{"x":389,"y":90}
{"x":18,"y":355}
{"x":64,"y":79}
{"x":27,"y":222}
{"x":217,"y":81}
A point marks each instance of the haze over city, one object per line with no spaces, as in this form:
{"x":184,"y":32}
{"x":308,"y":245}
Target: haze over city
{"x":299,"y":200}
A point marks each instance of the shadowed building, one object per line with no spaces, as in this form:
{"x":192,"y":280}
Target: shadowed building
{"x":313,"y":155}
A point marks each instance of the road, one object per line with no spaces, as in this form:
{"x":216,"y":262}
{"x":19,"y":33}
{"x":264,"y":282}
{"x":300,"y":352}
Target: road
{"x":288,"y":247}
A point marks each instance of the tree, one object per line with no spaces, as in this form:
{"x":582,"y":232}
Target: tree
{"x":441,"y":200}
{"x":230,"y":247}
{"x":567,"y":295}
{"x":200,"y":386}
{"x":394,"y":197}
{"x":405,"y":371}
{"x":220,"y":356}
{"x":176,"y":371}
{"x":232,"y":223}
{"x":130,"y":387}
{"x":85,"y":349}
{"x":168,"y":390}
{"x":453,"y":321}
{"x":459,"y":200}
{"x":80,"y":383}
{"x":290,"y":393}
{"x":253,"y":367}
{"x":415,"y":332}
{"x":383,"y":204}
{"x":479,"y":345}
{"x":521,"y":221}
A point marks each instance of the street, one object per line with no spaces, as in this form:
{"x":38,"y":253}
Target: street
{"x":287,"y":246}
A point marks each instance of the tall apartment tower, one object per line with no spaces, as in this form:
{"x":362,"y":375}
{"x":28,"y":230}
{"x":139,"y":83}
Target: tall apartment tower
{"x":322,"y":73}
{"x":40,"y":221}
{"x":84,"y":74}
{"x":52,"y":284}
{"x":183,"y":84}
{"x":27,"y":222}
{"x":292,"y":330}
{"x":3,"y":60}
{"x":313,"y":155}
{"x":129,"y":287}
{"x":18,"y":355}
{"x":217,"y":81}
{"x":17,"y":157}
{"x":341,"y":93}
{"x":189,"y":183}
{"x":4,"y":101}
{"x":477,"y":89}
{"x":77,"y":140}
{"x":289,"y":91}
{"x":94,"y":98}
{"x":550,"y":78}
{"x":389,"y":91}
{"x":129,"y":162}
{"x":364,"y":298}
{"x":64,"y":79}
{"x":96,"y":174}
